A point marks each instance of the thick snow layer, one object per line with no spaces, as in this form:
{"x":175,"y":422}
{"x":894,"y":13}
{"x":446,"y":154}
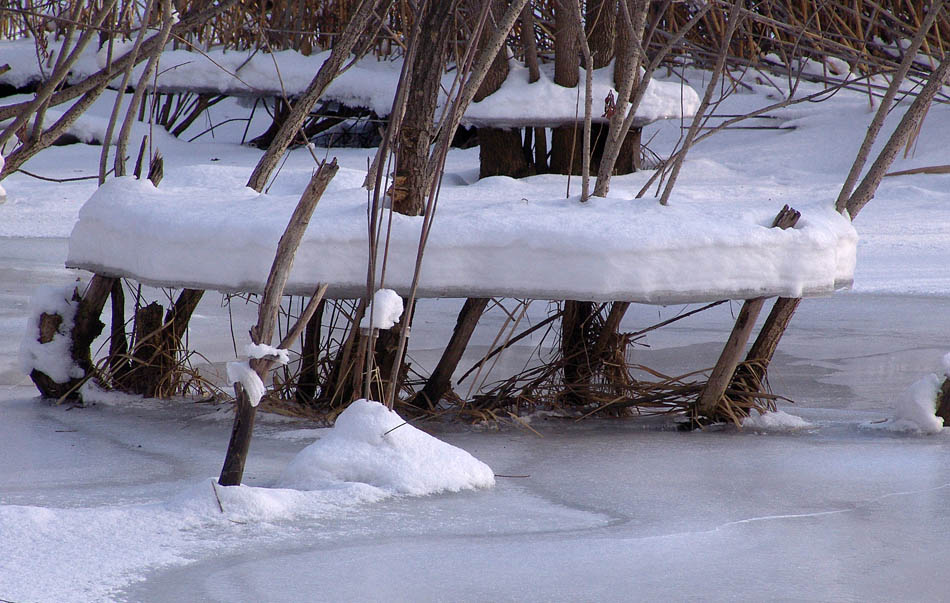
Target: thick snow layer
{"x":544,"y":103}
{"x":369,"y":82}
{"x":53,"y":357}
{"x":372,"y":444}
{"x":386,"y":309}
{"x":775,"y":421}
{"x":497,"y":237}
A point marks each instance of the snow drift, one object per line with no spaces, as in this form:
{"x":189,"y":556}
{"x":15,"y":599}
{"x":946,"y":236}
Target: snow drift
{"x":373,"y":445}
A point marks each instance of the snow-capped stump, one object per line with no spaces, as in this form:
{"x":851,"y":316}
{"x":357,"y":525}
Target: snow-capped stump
{"x":374,"y":445}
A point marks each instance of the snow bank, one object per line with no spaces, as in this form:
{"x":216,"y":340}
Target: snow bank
{"x":373,"y":445}
{"x":386,"y":309}
{"x":52,"y":358}
{"x":369,"y":82}
{"x":498,"y":237}
{"x":775,"y":421}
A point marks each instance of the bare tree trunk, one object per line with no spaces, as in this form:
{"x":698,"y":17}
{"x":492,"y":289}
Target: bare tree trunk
{"x":440,"y":381}
{"x":500,"y":152}
{"x":566,"y":142}
{"x":417,"y":131}
{"x":722,"y":374}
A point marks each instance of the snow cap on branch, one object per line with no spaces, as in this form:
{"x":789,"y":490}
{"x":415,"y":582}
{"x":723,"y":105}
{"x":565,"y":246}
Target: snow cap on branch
{"x":386,"y":309}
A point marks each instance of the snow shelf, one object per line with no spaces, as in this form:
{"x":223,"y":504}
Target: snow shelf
{"x":369,"y":83}
{"x":495,"y":238}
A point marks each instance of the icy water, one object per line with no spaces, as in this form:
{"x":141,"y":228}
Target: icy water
{"x":598,"y":511}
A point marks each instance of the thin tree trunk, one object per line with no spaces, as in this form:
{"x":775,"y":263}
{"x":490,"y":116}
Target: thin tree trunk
{"x":440,"y":381}
{"x":566,"y":147}
{"x":263,"y":332}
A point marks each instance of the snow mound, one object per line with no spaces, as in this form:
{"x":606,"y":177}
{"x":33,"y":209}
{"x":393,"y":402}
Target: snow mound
{"x":373,"y":445}
{"x":916,"y":409}
{"x":775,"y":421}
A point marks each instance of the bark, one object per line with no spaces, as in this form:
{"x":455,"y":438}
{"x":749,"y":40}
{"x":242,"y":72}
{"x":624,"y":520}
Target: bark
{"x":417,"y":131}
{"x":908,"y":124}
{"x":309,"y":376}
{"x":500,"y":151}
{"x":576,"y":347}
{"x":566,"y":150}
{"x":943,"y":402}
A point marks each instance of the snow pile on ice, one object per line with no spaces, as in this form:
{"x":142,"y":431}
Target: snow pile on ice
{"x":52,"y":358}
{"x":386,"y":309}
{"x":496,"y":238}
{"x":916,"y":409}
{"x":775,"y":421}
{"x":373,"y":445}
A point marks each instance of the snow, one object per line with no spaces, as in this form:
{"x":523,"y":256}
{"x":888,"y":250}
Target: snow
{"x":374,"y":445}
{"x":916,"y":410}
{"x":53,"y":357}
{"x":385,"y":310}
{"x":241,"y":372}
{"x":369,"y":83}
{"x":525,"y":243}
{"x":544,"y":103}
{"x":260,"y":350}
{"x":113,"y":501}
{"x":774,"y":421}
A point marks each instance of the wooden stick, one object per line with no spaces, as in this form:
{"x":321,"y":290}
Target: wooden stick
{"x":233,"y":470}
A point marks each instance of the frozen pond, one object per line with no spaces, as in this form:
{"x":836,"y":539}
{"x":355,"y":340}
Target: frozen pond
{"x":602,"y":510}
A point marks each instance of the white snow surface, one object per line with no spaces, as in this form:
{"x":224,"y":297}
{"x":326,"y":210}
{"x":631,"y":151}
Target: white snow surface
{"x":370,"y":82}
{"x":775,"y":421}
{"x":53,"y":357}
{"x":241,"y":372}
{"x":261,"y":350}
{"x":494,"y":238}
{"x":371,"y":444}
{"x":385,"y":308}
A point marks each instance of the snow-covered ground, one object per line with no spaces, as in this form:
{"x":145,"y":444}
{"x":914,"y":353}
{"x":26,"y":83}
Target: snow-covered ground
{"x":114,"y":501}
